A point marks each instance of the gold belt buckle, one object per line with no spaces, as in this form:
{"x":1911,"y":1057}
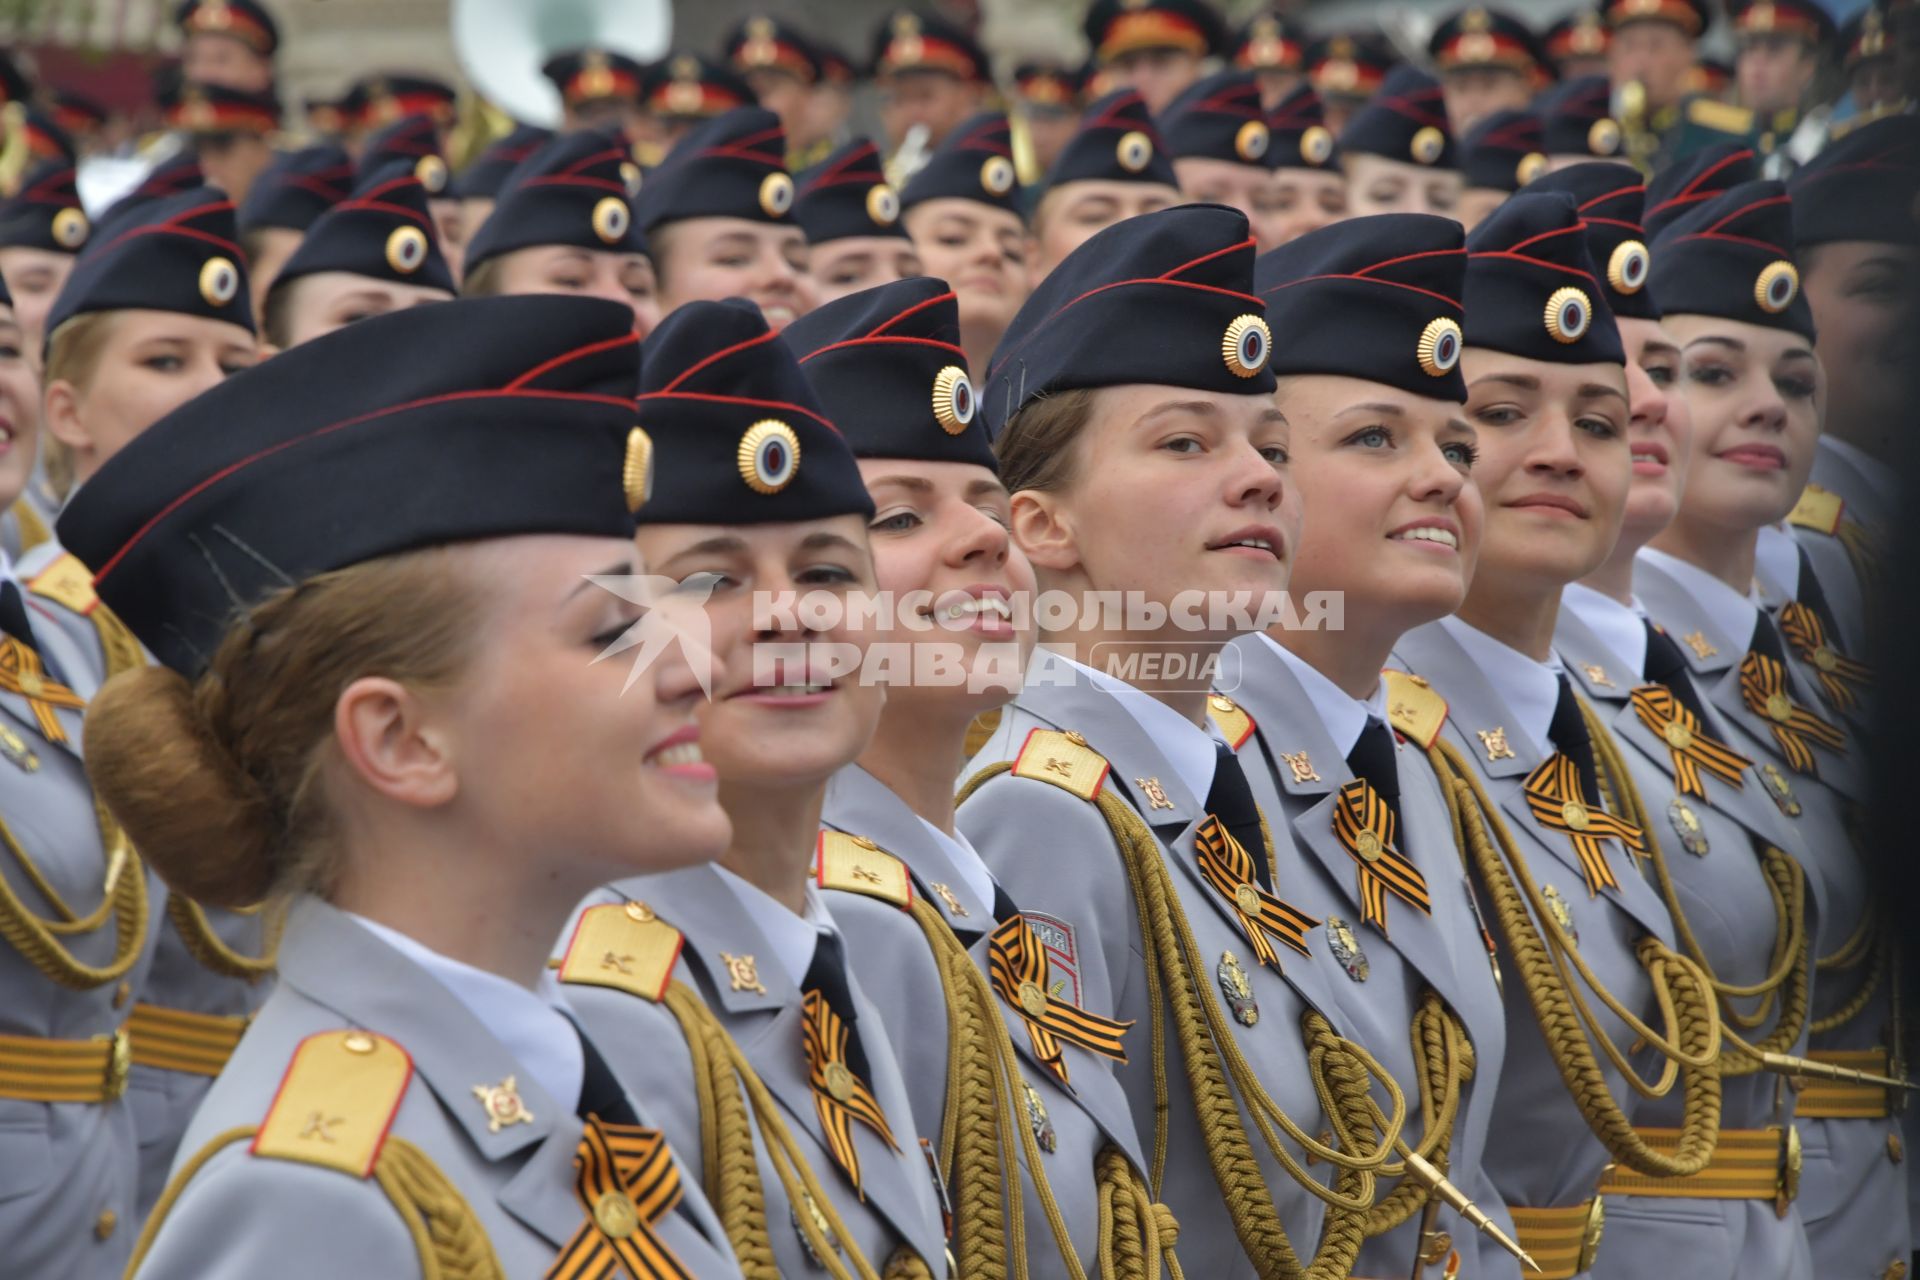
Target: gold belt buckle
{"x":119,"y":1064}
{"x":1591,"y":1231}
{"x":1787,"y":1189}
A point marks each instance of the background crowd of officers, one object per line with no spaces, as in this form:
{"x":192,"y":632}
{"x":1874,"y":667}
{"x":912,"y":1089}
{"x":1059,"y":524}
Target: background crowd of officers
{"x":355,"y":921}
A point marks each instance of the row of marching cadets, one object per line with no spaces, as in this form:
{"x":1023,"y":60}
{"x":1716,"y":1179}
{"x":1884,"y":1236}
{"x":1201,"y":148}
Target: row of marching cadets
{"x":1527,"y":899}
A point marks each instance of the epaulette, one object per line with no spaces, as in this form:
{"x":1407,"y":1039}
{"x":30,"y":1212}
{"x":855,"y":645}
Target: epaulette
{"x":855,"y":864}
{"x":1818,"y":509}
{"x":1413,"y":708}
{"x":68,"y":583}
{"x":1235,"y":725}
{"x":622,"y":945}
{"x":1064,"y":759}
{"x":337,"y":1101}
{"x":1722,"y":117}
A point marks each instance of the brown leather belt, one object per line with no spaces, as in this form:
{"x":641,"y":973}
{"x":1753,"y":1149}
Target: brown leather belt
{"x":1840,"y":1099}
{"x":35,"y":1069}
{"x":176,"y":1040}
{"x":1563,"y":1241}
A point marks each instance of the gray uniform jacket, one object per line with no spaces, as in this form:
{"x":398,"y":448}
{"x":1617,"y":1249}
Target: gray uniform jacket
{"x":1388,"y":974}
{"x":243,"y":1216}
{"x":1083,"y":1117}
{"x":163,"y":1101}
{"x":647,"y":1051}
{"x":1852,"y":1197}
{"x":1540,"y":1151}
{"x":67,"y":1187}
{"x":1710,"y":847}
{"x":1056,"y":855}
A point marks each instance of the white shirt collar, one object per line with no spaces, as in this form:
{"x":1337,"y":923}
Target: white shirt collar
{"x":1878,"y":475}
{"x":1188,"y":747}
{"x":6,"y":568}
{"x":1341,"y":715}
{"x":1530,"y":689}
{"x":1731,"y":611}
{"x":1620,"y":628}
{"x":541,"y":1038}
{"x":1776,"y":560}
{"x":966,"y":860}
{"x":791,"y":936}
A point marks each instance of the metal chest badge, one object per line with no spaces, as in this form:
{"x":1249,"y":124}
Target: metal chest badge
{"x":1237,"y":989}
{"x":1781,"y":791}
{"x":820,"y":1224}
{"x":1038,"y":1121}
{"x":1562,"y":913}
{"x":1686,"y":824}
{"x":502,"y":1104}
{"x":1346,"y":949}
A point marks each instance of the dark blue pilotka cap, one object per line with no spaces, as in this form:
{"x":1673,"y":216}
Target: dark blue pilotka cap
{"x":1733,"y":256}
{"x":847,"y":195}
{"x":739,"y":436}
{"x":383,"y":231}
{"x":732,"y":166}
{"x":575,"y":190}
{"x":887,"y":365}
{"x":45,"y":212}
{"x":1405,"y":120}
{"x":1502,"y":152}
{"x":1862,"y":187}
{"x":1694,"y":180}
{"x":520,"y":408}
{"x":1576,"y":119}
{"x":1376,"y":298}
{"x":974,"y":163}
{"x":1117,"y":142}
{"x":181,"y":253}
{"x":1220,"y":118}
{"x":1532,"y":290}
{"x":483,"y":179}
{"x":1300,"y":137}
{"x":416,"y":140}
{"x":297,"y":187}
{"x":1165,"y":297}
{"x":1608,"y":197}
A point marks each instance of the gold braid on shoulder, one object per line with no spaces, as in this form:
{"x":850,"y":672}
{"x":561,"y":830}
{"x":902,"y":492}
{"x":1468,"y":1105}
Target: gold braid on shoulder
{"x":1789,"y":979}
{"x":1221,"y":1079}
{"x":1548,"y":964}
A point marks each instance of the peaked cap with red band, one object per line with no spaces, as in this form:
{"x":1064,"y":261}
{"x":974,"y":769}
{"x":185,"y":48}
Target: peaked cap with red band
{"x":1117,"y":142}
{"x":520,"y":408}
{"x":483,"y":179}
{"x":739,"y":436}
{"x":45,"y":213}
{"x":593,"y":75}
{"x":297,"y":187}
{"x":1691,"y":16}
{"x":1115,"y":28}
{"x":762,"y":43}
{"x":915,"y":40}
{"x":974,"y":163}
{"x":1683,"y":186}
{"x":847,"y":195}
{"x":1503,"y":152}
{"x":1406,"y":120}
{"x":692,"y":86}
{"x":1268,"y":42}
{"x":1298,"y":133}
{"x":1733,"y":257}
{"x":1166,"y":297}
{"x":1532,"y":290}
{"x":382,"y":99}
{"x":1376,"y":298}
{"x":572,"y":191}
{"x":214,"y":108}
{"x":242,"y":20}
{"x":383,"y":231}
{"x":1807,"y":19}
{"x":732,"y":166}
{"x":1608,"y":197}
{"x":887,"y":365}
{"x":1578,"y":35}
{"x":1348,"y":65}
{"x":180,"y":253}
{"x":1576,"y":119}
{"x":1866,"y":186}
{"x":1220,"y":118}
{"x":1482,"y":37}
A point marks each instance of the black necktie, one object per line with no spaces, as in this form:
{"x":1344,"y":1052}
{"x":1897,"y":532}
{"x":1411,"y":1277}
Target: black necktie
{"x":1004,"y":908}
{"x":1569,"y":735}
{"x":827,"y":974}
{"x":13,"y":614}
{"x":1811,"y":595}
{"x":1374,"y":759}
{"x":1667,"y":667}
{"x":1231,"y":800}
{"x":600,"y":1093}
{"x":1766,"y":638}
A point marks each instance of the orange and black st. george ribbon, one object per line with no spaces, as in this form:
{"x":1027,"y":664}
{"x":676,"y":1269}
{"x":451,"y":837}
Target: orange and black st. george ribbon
{"x":1017,"y":963}
{"x":21,"y":673}
{"x":1228,"y":867}
{"x":1763,"y":686}
{"x":1691,"y":748}
{"x":1841,"y":677}
{"x":1364,"y":824}
{"x":1557,"y":803}
{"x":627,"y":1182}
{"x":840,"y":1097}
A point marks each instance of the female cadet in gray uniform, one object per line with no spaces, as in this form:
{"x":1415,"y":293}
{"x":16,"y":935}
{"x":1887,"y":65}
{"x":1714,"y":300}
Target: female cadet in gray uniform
{"x":157,"y":311}
{"x":1135,"y":429}
{"x":759,"y":496}
{"x":1383,"y":458}
{"x":1721,"y":853}
{"x":1584,"y":939}
{"x":381,"y":700}
{"x":887,"y":365}
{"x":1724,"y":277}
{"x":74,"y":914}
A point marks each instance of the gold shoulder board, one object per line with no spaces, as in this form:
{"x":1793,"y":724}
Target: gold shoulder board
{"x":66,"y":582}
{"x":1818,"y":509}
{"x":336,"y":1102}
{"x":1235,"y":725}
{"x":1721,"y":116}
{"x":623,"y":946}
{"x":855,"y":864}
{"x":1414,"y":708}
{"x":1064,"y":759}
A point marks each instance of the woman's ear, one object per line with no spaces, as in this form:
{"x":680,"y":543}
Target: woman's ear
{"x":392,"y":743}
{"x":62,"y":417}
{"x":1044,"y":529}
